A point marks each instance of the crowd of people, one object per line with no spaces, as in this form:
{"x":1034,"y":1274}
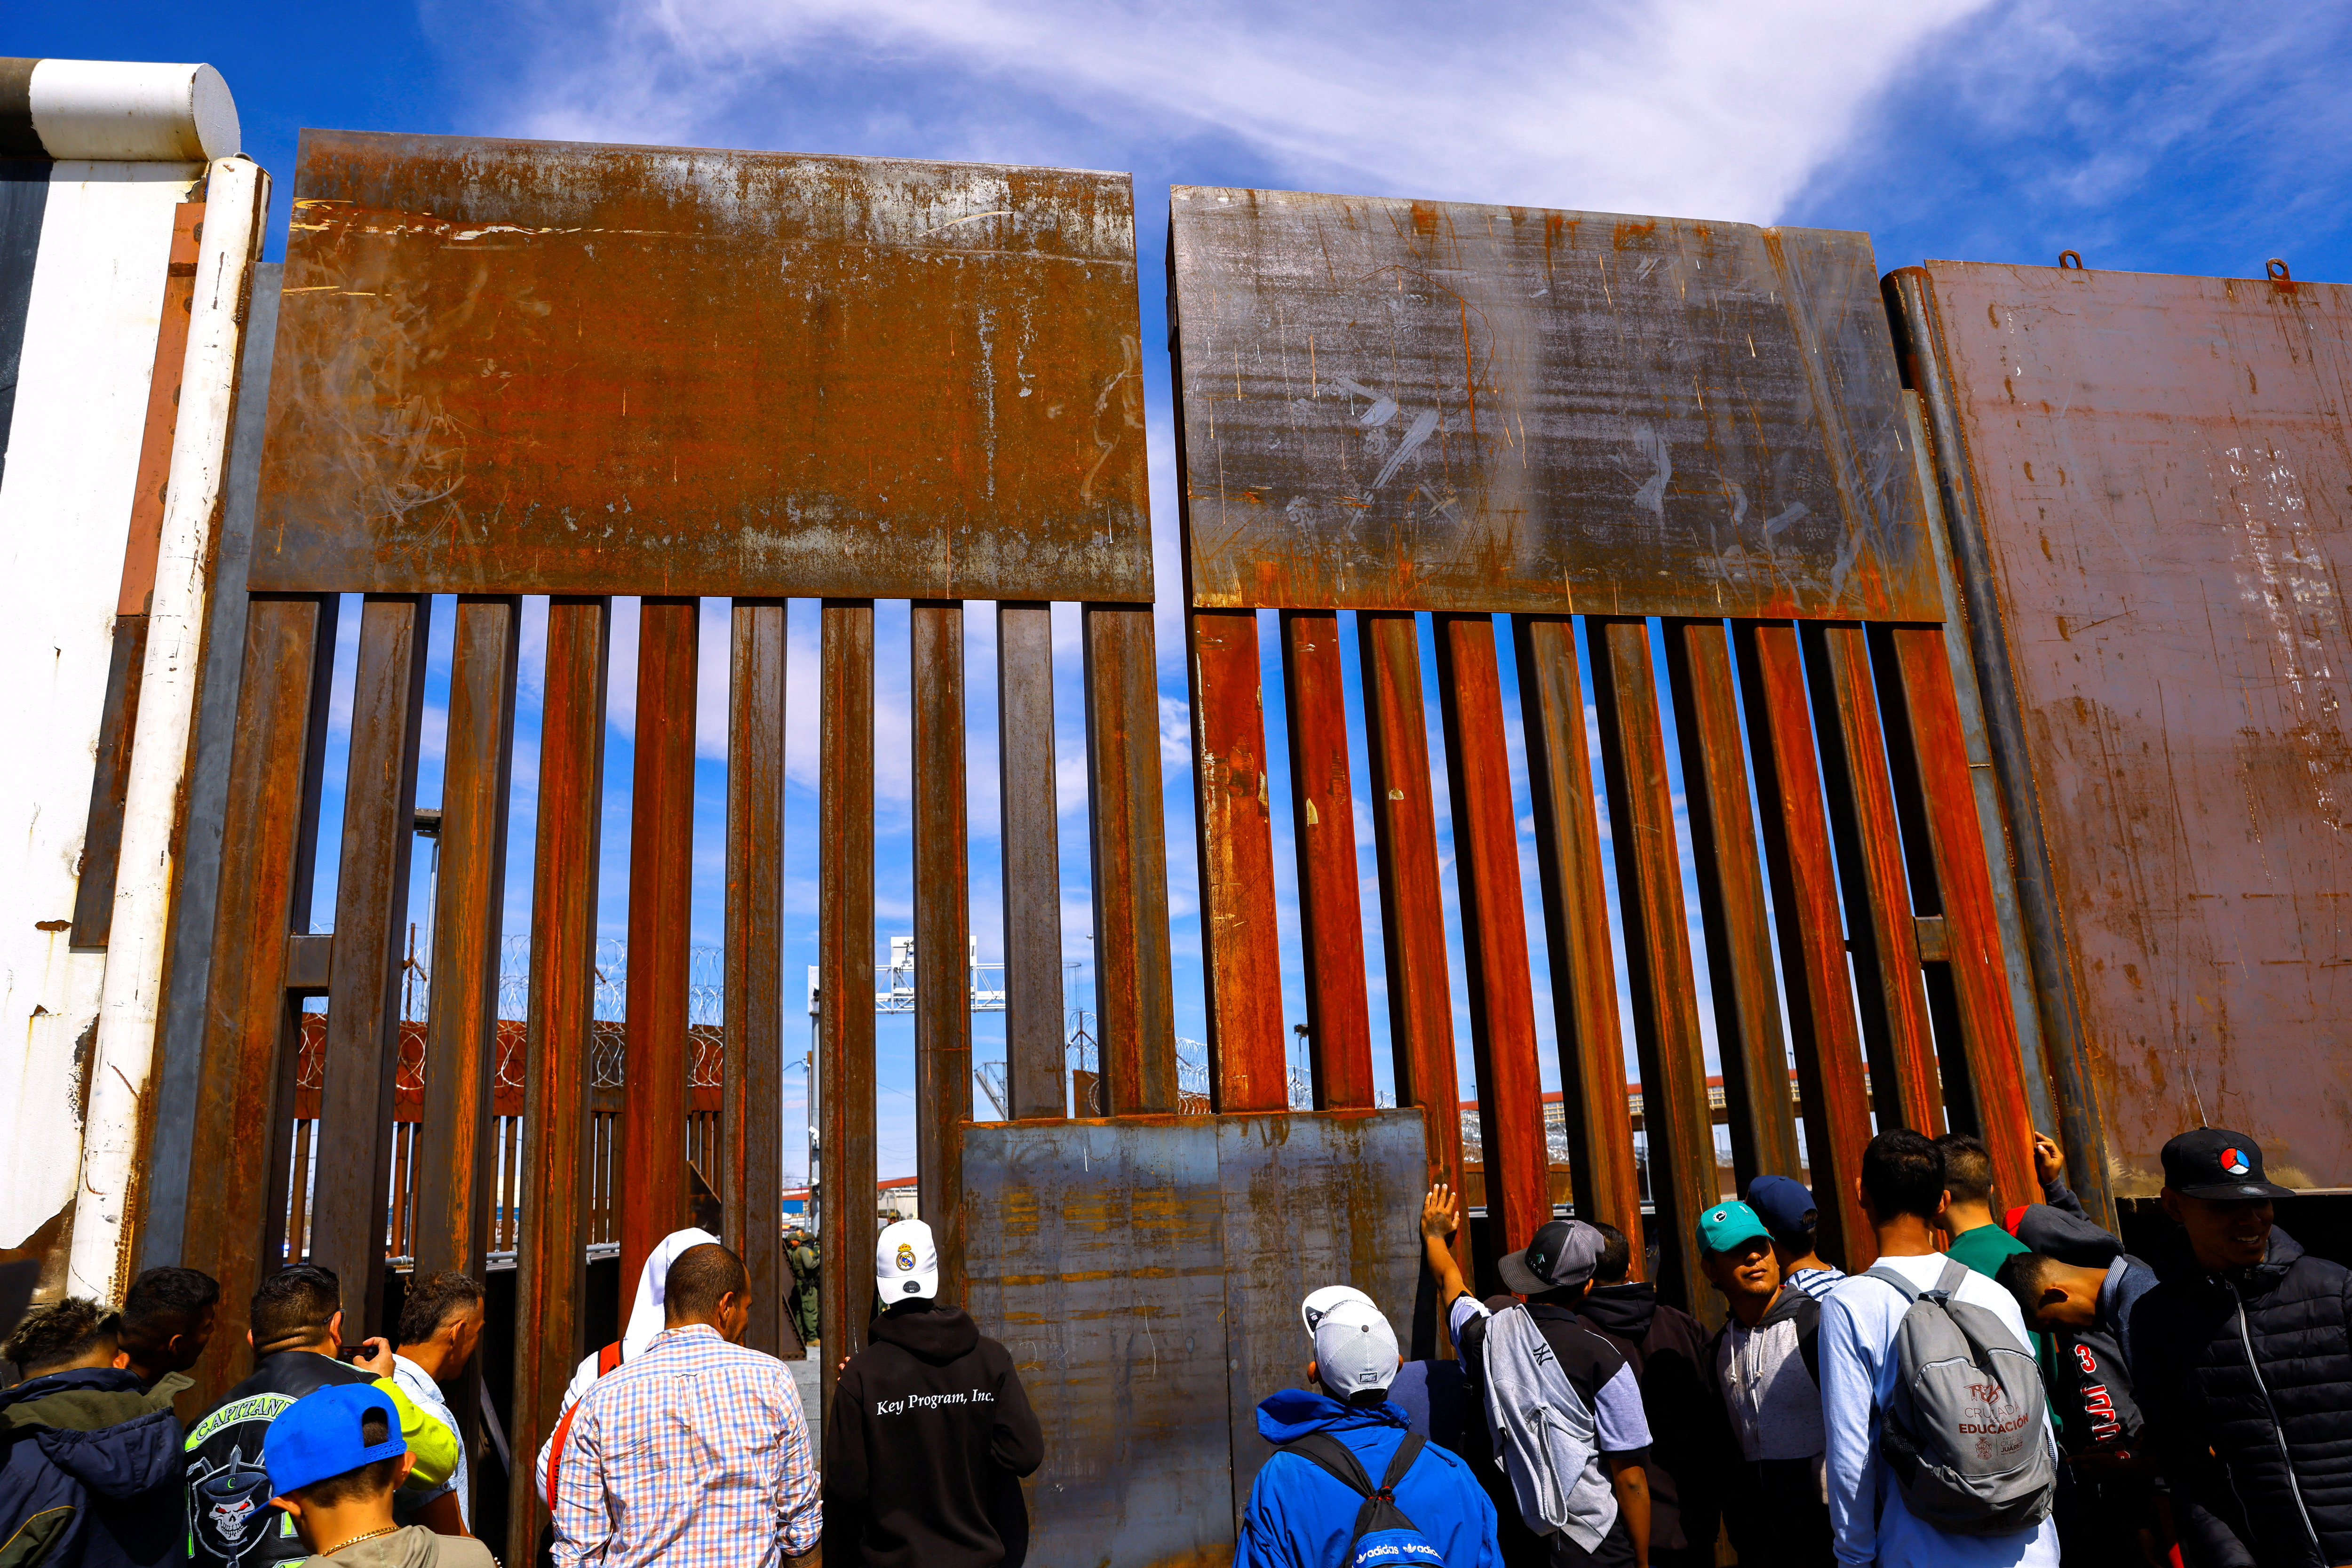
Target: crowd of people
{"x":1999,"y":1387}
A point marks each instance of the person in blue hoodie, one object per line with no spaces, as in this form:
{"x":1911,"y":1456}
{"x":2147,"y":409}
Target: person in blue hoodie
{"x":90,"y":1461}
{"x":1299,"y":1515}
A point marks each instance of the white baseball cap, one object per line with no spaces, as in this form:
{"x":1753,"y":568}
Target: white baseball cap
{"x":906,"y":1262}
{"x":1318,"y":1302}
{"x":1355,"y":1349}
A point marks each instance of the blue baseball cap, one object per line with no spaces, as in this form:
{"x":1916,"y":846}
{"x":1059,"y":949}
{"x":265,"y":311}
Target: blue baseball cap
{"x":1725,"y":1225}
{"x":1787,"y":1208}
{"x":320,"y":1436}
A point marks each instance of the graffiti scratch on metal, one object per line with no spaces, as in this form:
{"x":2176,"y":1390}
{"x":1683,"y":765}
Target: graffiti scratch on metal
{"x":1394,"y":405}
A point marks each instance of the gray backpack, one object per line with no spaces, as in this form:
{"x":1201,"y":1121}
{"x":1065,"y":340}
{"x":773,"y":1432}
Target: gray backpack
{"x":1966,"y":1434}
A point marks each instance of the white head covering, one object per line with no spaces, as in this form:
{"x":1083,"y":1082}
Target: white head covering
{"x":645,"y":1317}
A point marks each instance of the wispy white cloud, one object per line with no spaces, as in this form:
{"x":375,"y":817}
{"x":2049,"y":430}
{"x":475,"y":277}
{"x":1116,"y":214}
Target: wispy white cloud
{"x":1704,"y":107}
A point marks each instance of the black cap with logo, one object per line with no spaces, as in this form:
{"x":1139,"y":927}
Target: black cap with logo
{"x":1564,"y":1252}
{"x":2215,"y":1163}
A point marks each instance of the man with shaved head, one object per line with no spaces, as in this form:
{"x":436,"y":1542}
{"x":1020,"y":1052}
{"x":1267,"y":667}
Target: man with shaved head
{"x":694,"y":1454}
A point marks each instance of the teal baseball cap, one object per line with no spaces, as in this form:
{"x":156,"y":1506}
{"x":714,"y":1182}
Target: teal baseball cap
{"x":321,"y":1435}
{"x":1725,"y":1225}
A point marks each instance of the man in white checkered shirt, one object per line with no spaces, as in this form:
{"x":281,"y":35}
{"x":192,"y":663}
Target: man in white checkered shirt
{"x":696,"y":1454}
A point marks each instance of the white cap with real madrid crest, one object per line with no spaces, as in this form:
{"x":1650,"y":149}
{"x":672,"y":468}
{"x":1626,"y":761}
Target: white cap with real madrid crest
{"x":906,"y":1262}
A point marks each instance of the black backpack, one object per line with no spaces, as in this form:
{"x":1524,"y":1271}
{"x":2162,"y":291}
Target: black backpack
{"x":1383,"y":1535}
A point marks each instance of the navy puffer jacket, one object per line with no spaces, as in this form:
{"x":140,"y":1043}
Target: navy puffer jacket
{"x":2256,"y":1365}
{"x":90,"y":1471}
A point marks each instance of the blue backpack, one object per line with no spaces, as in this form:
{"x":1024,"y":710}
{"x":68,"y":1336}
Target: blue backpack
{"x":1385,"y":1537}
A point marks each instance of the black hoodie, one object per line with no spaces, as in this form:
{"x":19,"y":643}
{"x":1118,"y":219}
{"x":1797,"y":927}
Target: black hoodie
{"x":1665,"y":1347}
{"x":924,"y":1447}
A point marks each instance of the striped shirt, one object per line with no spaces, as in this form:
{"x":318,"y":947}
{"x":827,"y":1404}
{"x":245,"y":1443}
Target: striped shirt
{"x":1816,"y":1282}
{"x":695,"y":1454}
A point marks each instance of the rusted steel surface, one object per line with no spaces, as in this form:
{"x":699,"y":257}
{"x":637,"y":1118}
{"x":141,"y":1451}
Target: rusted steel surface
{"x":1323,"y":828}
{"x":845,"y":1051}
{"x":1146,"y":1273}
{"x":942,"y":931}
{"x":1132,"y":989}
{"x":145,"y":537}
{"x":1240,"y":965}
{"x":1436,"y":405}
{"x":1412,"y":907}
{"x":1875,"y":881}
{"x":653,"y":1185}
{"x":1972,"y":953}
{"x":110,"y":784}
{"x":1676,"y":1117}
{"x":1030,"y":837}
{"x":1576,"y":924}
{"x":752,"y":1085}
{"x":557,"y":367}
{"x":1494,"y":931}
{"x":1309,"y":1201}
{"x":559,"y":1144}
{"x":1738,"y":930}
{"x":1819,"y":988}
{"x":2059,"y":1013}
{"x":370,"y":936}
{"x":270,"y":817}
{"x":2159,"y":485}
{"x":455,"y":1174}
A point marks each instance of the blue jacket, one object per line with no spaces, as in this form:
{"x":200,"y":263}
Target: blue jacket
{"x":89,"y":1471}
{"x":1300,"y":1516}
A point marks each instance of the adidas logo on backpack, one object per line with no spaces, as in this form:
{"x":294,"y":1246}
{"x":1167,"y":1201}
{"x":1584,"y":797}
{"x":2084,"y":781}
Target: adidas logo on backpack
{"x":1966,"y":1434}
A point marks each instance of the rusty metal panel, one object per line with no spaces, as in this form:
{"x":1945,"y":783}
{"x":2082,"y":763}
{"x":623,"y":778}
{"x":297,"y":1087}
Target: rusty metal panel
{"x":1389,"y":404}
{"x":1664,"y":989}
{"x":1323,"y":828}
{"x":1494,"y":931}
{"x":514,"y":366}
{"x":1145,"y":1275}
{"x":2155,"y":486}
{"x":752,"y":1087}
{"x":1412,"y":909}
{"x":453,"y":1179}
{"x":1309,"y":1201}
{"x":1240,"y":963}
{"x":652,"y":1182}
{"x":1129,"y":840}
{"x":1819,"y":989}
{"x":267,"y":827}
{"x":1104,"y":1277}
{"x":942,"y":927}
{"x":355,"y":1108}
{"x":1576,"y":925}
{"x":559,"y":1145}
{"x":1031,"y":845}
{"x":1737,"y":925}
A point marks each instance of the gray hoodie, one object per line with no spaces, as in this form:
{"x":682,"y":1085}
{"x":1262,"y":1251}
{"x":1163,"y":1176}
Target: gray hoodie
{"x":1771,"y":1391}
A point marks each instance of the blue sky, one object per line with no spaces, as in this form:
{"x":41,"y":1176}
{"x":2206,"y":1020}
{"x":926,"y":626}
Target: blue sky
{"x":2150,"y":136}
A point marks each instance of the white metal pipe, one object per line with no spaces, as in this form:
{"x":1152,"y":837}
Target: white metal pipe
{"x":236,"y":196}
{"x":131,"y":112}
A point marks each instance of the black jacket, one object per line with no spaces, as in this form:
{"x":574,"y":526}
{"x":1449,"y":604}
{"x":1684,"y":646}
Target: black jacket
{"x":1666,"y":1348}
{"x":89,"y":1471}
{"x":924,"y":1447}
{"x":2255,"y":1365}
{"x":230,"y":1521}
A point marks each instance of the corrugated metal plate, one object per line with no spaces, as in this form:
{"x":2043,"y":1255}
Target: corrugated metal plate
{"x":2164,"y":480}
{"x":510,"y":367}
{"x":1435,"y":405}
{"x":1146,"y":1273}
